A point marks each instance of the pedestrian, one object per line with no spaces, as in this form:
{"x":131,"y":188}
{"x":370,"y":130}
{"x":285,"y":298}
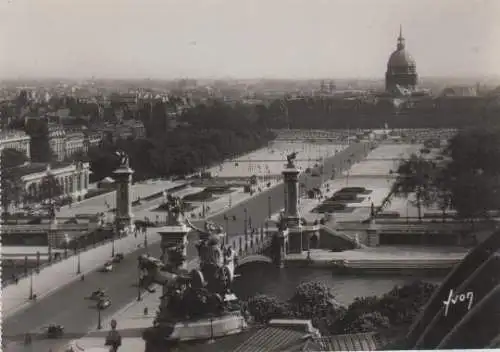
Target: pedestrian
{"x":82,"y":278}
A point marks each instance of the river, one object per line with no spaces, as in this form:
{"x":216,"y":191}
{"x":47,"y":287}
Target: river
{"x":264,"y":278}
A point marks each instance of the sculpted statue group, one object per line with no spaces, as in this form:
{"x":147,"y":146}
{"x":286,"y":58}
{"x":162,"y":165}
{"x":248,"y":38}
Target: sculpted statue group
{"x":123,"y":157}
{"x":201,"y":291}
{"x":291,"y":159}
{"x":175,"y":210}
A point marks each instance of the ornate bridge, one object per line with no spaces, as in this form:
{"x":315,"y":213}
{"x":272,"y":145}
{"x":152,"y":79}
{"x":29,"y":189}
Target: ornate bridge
{"x":252,"y":248}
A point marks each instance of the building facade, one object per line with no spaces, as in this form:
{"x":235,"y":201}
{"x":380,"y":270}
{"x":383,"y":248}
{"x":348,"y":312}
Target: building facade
{"x":73,"y":178}
{"x":65,"y":143}
{"x":401,"y":69}
{"x":18,"y":140}
{"x":57,"y":138}
{"x":74,"y":142}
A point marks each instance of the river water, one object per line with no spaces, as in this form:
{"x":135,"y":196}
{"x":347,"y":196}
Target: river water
{"x":259,"y":278}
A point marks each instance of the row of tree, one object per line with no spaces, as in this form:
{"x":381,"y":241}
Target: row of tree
{"x":211,"y":133}
{"x":390,"y":314}
{"x":467,"y":180}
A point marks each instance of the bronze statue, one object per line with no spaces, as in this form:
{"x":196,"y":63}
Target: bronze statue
{"x":175,"y":208}
{"x":291,"y":158}
{"x":124,"y":159}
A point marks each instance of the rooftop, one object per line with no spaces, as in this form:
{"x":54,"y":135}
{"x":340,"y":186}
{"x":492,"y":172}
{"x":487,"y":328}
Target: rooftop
{"x":5,"y":134}
{"x":32,"y":168}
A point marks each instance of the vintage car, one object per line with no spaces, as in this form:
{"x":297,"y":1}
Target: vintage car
{"x":107,"y":267}
{"x":103,"y":303}
{"x":118,"y":258}
{"x":97,"y":295}
{"x":54,"y":331}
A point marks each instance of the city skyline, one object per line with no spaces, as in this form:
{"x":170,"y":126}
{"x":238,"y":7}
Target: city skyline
{"x":235,"y":39}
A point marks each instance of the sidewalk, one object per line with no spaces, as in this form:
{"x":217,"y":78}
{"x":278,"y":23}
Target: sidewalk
{"x":52,"y":278}
{"x":131,"y":321}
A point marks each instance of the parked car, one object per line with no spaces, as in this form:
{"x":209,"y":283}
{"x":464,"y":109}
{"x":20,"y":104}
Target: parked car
{"x":54,"y":331}
{"x":97,"y":295}
{"x":118,"y":258}
{"x":107,"y":267}
{"x":104,"y":303}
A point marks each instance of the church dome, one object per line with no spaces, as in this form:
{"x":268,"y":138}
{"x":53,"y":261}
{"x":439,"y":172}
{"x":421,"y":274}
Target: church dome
{"x":401,"y":58}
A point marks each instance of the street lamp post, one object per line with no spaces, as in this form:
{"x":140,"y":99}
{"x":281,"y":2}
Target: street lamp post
{"x":269,"y":207}
{"x":31,"y":286}
{"x":99,"y":323}
{"x":146,"y":240}
{"x":211,"y":340}
{"x":245,"y":223}
{"x":139,"y":298}
{"x":78,"y":266}
{"x":226,"y":218}
{"x":113,"y":239}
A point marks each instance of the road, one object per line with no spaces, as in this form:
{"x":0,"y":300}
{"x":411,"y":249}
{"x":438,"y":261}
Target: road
{"x":68,"y":307}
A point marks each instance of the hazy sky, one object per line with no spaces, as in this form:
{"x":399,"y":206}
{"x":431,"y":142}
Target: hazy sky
{"x":245,"y":38}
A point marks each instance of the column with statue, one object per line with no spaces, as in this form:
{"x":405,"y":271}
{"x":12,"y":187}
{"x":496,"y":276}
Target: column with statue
{"x":291,"y":216}
{"x":123,"y":181}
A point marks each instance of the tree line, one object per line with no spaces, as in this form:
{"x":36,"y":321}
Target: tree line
{"x":390,"y":314}
{"x":467,"y":179}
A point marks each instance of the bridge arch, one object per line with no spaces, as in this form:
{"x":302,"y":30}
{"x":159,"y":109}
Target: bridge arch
{"x":254,"y":258}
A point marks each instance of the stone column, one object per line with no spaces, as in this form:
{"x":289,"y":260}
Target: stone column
{"x":290,"y":176}
{"x":292,"y":219}
{"x":172,"y":237}
{"x":82,"y":180}
{"x":123,"y":180}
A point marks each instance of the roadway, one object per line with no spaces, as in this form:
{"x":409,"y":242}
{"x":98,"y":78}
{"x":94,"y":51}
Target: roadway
{"x":68,"y":307}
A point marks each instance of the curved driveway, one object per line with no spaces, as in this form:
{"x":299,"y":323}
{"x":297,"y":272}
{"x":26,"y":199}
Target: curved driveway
{"x":68,"y":307}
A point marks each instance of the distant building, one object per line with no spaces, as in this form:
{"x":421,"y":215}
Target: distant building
{"x":459,"y":91}
{"x":126,"y":129}
{"x":74,"y":142}
{"x":66,"y":142}
{"x":57,"y":143}
{"x":92,"y":139}
{"x":18,"y":140}
{"x":73,"y":177}
{"x":401,"y":69}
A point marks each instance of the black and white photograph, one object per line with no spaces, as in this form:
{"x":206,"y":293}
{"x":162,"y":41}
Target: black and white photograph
{"x":249,"y":175}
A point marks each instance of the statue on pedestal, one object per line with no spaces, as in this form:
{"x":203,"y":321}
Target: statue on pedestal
{"x":123,"y":157}
{"x":175,"y":210}
{"x":198,"y":293}
{"x":291,"y":160}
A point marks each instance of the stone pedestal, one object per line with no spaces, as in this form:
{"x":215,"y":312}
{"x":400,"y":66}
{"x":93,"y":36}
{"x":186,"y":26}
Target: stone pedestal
{"x":123,"y":178}
{"x":295,"y":239}
{"x":291,"y":183}
{"x":373,"y":235}
{"x":171,"y":237}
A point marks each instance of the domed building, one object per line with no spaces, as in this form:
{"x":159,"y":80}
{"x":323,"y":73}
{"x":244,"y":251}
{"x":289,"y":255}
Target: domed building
{"x":401,"y":69}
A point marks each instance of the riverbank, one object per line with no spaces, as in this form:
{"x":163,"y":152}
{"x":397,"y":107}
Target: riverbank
{"x":385,"y":260}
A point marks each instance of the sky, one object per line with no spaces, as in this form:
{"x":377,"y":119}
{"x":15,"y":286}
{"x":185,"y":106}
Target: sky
{"x":164,"y":39}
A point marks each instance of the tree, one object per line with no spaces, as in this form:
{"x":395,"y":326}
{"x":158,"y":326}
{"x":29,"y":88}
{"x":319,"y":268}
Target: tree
{"x":473,"y":174}
{"x":264,"y":308}
{"x":12,"y":158}
{"x":12,"y":188}
{"x":443,"y":190}
{"x":368,"y":322}
{"x":415,"y":175}
{"x":314,"y":300}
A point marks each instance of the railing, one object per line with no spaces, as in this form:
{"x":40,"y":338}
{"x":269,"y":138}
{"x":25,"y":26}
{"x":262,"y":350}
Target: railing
{"x":6,"y":229}
{"x":255,"y":243}
{"x":63,"y":255}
